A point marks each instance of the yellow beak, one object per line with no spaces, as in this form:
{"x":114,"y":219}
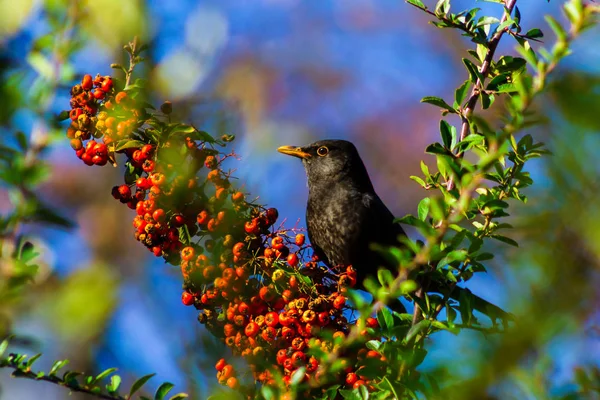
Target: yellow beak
{"x":293,"y":151}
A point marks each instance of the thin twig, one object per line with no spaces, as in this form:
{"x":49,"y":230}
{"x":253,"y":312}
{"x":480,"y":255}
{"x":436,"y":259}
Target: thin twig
{"x":483,"y":71}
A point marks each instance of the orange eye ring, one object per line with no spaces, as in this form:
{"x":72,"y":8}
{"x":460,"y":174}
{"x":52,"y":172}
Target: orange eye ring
{"x":322,"y":151}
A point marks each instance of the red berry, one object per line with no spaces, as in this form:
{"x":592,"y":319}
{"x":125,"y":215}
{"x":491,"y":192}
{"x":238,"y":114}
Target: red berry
{"x":125,"y":192}
{"x":159,"y":215}
{"x":339,"y":302}
{"x":251,"y":329}
{"x":220,"y":365}
{"x":107,"y":85}
{"x":120,"y":96}
{"x":299,"y":239}
{"x":187,"y":298}
{"x":292,"y":259}
{"x":351,"y":378}
{"x":98,"y":94}
{"x":87,"y":82}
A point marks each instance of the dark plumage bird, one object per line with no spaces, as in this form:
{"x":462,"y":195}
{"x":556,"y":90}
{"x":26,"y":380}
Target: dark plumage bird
{"x":345,"y":216}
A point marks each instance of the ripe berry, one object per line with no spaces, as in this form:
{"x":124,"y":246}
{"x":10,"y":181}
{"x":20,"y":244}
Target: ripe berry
{"x":299,"y":239}
{"x":86,"y":82}
{"x":292,"y":259}
{"x":220,"y":365}
{"x":358,"y":384}
{"x":124,"y":192}
{"x":187,"y":253}
{"x":98,"y":94}
{"x":107,"y":85}
{"x":159,"y":215}
{"x":233,"y":383}
{"x":351,"y":378}
{"x":251,"y":329}
{"x":187,"y":298}
{"x":339,"y":302}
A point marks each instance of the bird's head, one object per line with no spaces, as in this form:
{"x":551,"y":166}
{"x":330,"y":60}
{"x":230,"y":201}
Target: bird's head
{"x":329,"y":161}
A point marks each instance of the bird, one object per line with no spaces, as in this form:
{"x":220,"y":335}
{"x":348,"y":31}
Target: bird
{"x":345,"y":216}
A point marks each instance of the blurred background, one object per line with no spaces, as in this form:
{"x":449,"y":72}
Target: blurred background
{"x":278,"y":72}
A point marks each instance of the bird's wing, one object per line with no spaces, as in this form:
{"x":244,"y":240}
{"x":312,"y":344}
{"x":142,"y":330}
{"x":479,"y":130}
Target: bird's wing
{"x":383,"y":229}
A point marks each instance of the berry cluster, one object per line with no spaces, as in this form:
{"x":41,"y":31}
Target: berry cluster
{"x":246,"y":277}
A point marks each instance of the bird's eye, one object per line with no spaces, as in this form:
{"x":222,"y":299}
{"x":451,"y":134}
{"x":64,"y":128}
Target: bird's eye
{"x":322,"y":151}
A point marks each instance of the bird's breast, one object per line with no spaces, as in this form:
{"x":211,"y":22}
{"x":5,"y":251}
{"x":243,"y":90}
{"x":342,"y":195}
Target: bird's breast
{"x":334,"y":221}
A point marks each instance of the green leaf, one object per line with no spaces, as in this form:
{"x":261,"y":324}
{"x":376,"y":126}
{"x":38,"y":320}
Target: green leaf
{"x":104,"y":374}
{"x":127,"y":144}
{"x":137,"y":385}
{"x":436,"y":148}
{"x":417,"y":3}
{"x":559,"y":31}
{"x":487,"y":21}
{"x":115,"y":382}
{"x":385,"y":277}
{"x":373,"y":345}
{"x":297,"y":376}
{"x":473,"y":70}
{"x":32,"y":360}
{"x":162,"y":390}
{"x":505,"y":239}
{"x":350,"y":394}
{"x":418,"y":180}
{"x":423,"y":208}
{"x":445,"y":327}
{"x":460,"y":95}
{"x":455,"y":255}
{"x":179,"y":396}
{"x":4,"y":345}
{"x":534,"y":33}
{"x":56,"y":366}
{"x":385,"y":318}
{"x":448,"y":133}
{"x":437,"y":101}
{"x":417,"y":329}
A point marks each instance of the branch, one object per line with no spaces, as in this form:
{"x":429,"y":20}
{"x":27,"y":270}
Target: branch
{"x":484,"y":70}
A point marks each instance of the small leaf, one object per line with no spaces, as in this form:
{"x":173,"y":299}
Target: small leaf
{"x":297,"y":376}
{"x":417,"y":3}
{"x":385,"y":319}
{"x":115,"y":382}
{"x":63,"y":115}
{"x":32,"y":360}
{"x":437,"y":101}
{"x":460,"y":95}
{"x":505,"y":240}
{"x":473,"y":70}
{"x":436,"y":148}
{"x":385,"y":277}
{"x":137,"y":385}
{"x":56,"y":366}
{"x":104,"y":374}
{"x":534,"y":33}
{"x":127,"y":144}
{"x":559,"y":31}
{"x":162,"y":390}
{"x":418,"y":180}
{"x":4,"y":345}
{"x":417,"y":328}
{"x":373,"y":345}
{"x":179,"y":396}
{"x":448,"y":133}
{"x":423,"y":208}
